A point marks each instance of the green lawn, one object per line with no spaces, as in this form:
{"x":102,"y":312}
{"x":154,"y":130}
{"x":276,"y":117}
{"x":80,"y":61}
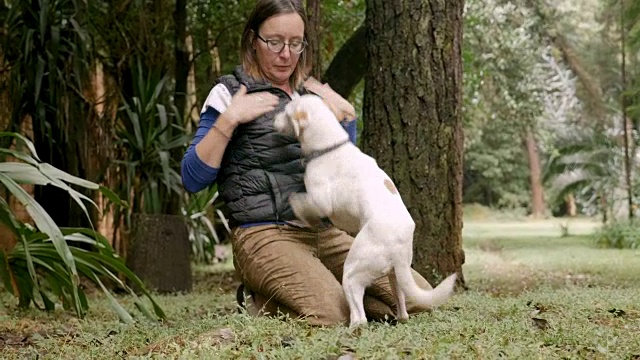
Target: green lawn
{"x":586,"y":302}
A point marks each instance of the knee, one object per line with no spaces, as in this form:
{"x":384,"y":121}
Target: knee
{"x":329,"y":313}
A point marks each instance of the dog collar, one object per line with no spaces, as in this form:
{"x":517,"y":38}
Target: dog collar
{"x":316,"y":154}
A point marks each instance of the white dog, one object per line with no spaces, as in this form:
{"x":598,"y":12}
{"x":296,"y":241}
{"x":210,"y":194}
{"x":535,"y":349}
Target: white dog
{"x":347,"y":186}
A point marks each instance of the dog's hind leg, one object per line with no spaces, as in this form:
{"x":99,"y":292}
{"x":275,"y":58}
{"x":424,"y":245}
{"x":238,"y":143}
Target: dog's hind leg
{"x":361,"y":268}
{"x":354,"y":292}
{"x":401,"y":304}
{"x":305,"y":210}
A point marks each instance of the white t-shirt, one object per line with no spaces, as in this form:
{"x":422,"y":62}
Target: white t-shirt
{"x":219,"y":98}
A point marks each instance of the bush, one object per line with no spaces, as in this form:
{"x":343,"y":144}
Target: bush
{"x":619,"y":235}
{"x":45,"y":265}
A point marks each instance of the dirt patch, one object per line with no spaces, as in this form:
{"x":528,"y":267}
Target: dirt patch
{"x":23,"y":336}
{"x":223,"y":281}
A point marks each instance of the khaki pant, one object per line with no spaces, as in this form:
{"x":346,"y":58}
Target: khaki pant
{"x":298,"y":271}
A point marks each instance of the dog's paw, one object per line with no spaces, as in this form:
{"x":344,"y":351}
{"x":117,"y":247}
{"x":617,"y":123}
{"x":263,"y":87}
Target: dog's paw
{"x":304,"y":210}
{"x":355,"y":328}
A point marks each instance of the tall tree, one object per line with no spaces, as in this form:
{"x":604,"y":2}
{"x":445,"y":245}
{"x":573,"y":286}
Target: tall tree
{"x":315,"y":33}
{"x":413,"y":120}
{"x":349,"y":64}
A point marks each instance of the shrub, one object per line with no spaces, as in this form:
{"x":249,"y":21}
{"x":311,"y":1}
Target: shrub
{"x":619,"y":235}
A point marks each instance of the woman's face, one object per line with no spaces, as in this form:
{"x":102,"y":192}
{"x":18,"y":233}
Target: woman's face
{"x":278,"y":66}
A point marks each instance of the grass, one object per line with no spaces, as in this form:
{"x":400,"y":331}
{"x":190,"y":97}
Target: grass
{"x":532,"y":294}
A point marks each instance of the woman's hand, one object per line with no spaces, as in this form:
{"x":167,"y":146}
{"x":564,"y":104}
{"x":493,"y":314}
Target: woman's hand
{"x":248,"y":107}
{"x":340,"y":107}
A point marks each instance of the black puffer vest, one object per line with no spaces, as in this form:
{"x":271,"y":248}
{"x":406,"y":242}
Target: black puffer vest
{"x":260,"y":167}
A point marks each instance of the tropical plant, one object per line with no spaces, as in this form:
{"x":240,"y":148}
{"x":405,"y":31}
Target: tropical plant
{"x":149,"y":133}
{"x":46,"y":264}
{"x":589,"y":165}
{"x":204,"y":219}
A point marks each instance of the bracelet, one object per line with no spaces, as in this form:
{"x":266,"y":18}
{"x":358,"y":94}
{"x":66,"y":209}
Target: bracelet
{"x":221,"y":132}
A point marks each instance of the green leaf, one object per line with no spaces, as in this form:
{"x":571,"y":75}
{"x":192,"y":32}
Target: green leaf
{"x":122,"y":313}
{"x":24,"y":139}
{"x":113,"y":197}
{"x":55,"y":173}
{"x":44,"y":222}
{"x":19,"y":155}
{"x":23,"y":173}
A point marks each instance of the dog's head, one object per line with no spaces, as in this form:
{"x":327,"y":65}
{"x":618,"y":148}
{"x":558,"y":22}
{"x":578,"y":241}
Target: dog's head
{"x":298,"y":114}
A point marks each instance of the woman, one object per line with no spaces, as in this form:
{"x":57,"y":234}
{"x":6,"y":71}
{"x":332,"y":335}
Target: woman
{"x":285,"y":265}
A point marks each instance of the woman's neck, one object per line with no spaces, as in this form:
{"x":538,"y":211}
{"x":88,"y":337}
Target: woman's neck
{"x":286,"y":87}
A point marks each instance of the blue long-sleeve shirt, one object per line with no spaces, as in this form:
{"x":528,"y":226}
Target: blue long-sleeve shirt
{"x":196,"y":174}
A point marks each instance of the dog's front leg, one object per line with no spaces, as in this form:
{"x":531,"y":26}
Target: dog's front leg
{"x":305,"y":210}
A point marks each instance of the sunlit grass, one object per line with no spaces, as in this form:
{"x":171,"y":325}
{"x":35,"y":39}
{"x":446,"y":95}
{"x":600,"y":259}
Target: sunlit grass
{"x":586,"y":300}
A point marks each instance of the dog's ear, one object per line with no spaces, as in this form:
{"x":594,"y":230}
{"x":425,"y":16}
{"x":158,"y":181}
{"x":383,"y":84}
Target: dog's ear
{"x":299,"y":120}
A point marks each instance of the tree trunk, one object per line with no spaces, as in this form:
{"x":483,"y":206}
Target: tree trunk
{"x":214,"y":52}
{"x":181,"y":74}
{"x":313,"y":29}
{"x":181,"y":54}
{"x":572,"y":208}
{"x":104,"y":104}
{"x":349,"y":65}
{"x":413,"y":120}
{"x":192,"y":115}
{"x":535,"y":176}
{"x":7,"y":239}
{"x":625,"y":120}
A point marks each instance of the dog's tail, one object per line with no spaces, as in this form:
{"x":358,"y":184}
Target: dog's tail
{"x":427,"y":298}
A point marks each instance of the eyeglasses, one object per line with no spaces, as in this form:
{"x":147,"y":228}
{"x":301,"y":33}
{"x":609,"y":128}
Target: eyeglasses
{"x":276,"y":45}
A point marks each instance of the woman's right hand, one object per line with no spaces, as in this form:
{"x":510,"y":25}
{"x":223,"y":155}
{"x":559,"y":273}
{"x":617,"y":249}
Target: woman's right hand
{"x":248,"y":107}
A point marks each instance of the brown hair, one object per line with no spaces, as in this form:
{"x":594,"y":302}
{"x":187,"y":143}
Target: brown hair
{"x":263,"y":10}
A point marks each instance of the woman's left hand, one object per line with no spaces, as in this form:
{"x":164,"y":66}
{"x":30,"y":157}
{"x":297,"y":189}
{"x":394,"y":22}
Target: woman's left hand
{"x":340,"y":107}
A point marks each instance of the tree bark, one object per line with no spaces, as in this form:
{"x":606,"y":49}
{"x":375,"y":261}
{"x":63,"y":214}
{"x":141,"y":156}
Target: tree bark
{"x":535,"y":176}
{"x":349,"y":65}
{"x":181,"y":54}
{"x":214,"y":52}
{"x":315,"y":37}
{"x":7,"y":238}
{"x":192,"y":115}
{"x":413,"y":120}
{"x":181,"y":74}
{"x":625,"y":120}
{"x":572,"y":208}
